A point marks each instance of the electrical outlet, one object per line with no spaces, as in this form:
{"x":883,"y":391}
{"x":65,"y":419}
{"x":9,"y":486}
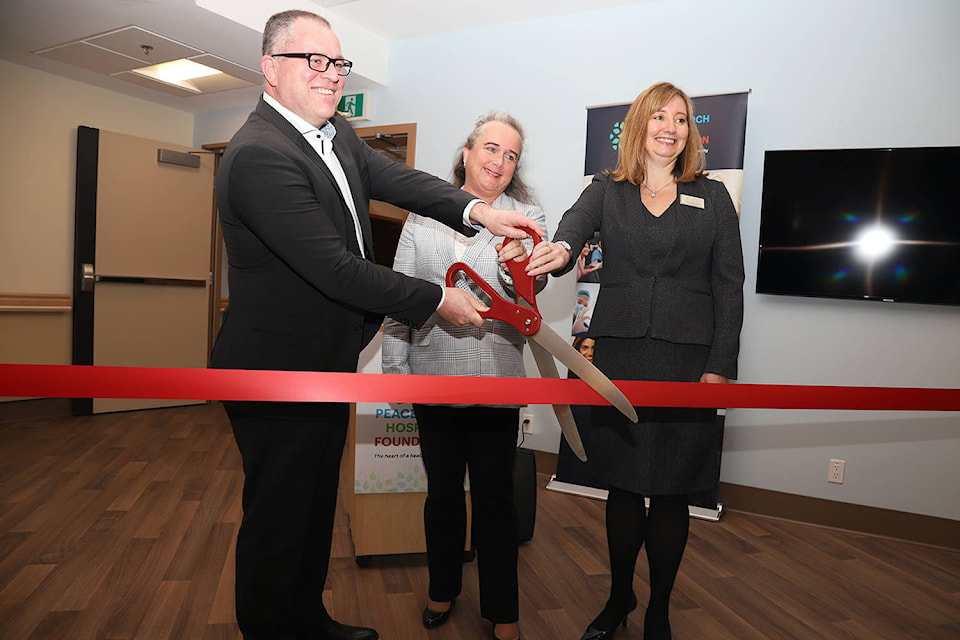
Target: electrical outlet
{"x":526,"y":420}
{"x":836,"y":471}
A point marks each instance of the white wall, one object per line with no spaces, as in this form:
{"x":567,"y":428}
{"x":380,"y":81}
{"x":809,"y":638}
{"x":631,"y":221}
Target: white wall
{"x":219,"y":126}
{"x":823,"y":74}
{"x":39,"y":116}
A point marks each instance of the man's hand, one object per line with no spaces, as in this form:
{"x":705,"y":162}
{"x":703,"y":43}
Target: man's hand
{"x":714,"y":378}
{"x":509,"y":224}
{"x":460,"y":308}
{"x":547,"y":257}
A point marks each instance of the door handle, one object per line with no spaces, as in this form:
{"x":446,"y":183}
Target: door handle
{"x":87,"y":278}
{"x":167,"y":282}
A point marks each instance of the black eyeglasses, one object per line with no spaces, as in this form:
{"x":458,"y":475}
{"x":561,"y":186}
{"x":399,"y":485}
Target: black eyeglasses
{"x":320,"y":62}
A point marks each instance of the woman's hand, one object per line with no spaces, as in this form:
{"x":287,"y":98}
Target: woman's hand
{"x":547,"y":257}
{"x":714,"y":378}
{"x":511,"y":250}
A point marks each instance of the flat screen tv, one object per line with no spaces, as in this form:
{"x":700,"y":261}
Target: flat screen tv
{"x":866,"y":224}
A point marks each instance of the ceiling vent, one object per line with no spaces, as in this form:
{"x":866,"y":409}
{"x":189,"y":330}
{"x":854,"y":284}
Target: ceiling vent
{"x":139,"y":56}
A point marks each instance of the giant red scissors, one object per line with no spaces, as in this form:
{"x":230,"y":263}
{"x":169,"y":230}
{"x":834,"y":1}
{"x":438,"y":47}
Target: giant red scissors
{"x":545,"y":343}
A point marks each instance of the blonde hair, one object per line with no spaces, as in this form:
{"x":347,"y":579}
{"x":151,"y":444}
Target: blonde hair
{"x":630,"y":159}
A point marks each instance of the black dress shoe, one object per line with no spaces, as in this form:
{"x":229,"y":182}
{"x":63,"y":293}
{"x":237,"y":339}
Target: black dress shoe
{"x":433,"y":619}
{"x":333,"y":630}
{"x":605,"y":625}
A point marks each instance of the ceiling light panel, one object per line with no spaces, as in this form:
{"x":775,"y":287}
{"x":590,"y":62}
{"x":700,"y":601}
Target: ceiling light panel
{"x":230,"y":68}
{"x":119,"y":52}
{"x":156,"y":85}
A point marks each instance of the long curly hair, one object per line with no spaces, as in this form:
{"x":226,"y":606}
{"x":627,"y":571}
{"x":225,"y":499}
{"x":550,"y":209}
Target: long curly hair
{"x":517,"y":189}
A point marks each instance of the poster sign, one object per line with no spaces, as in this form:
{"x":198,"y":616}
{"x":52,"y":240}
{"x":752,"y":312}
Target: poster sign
{"x":387,"y":451}
{"x":388,"y":444}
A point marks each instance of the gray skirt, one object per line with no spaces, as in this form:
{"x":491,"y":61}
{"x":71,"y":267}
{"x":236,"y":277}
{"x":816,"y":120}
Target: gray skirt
{"x":672,"y":450}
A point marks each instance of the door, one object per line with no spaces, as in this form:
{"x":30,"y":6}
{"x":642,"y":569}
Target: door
{"x":143,"y":227}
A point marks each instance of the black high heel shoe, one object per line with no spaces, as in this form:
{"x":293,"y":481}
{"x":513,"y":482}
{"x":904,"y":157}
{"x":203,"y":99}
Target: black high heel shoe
{"x":433,"y":619}
{"x":606,"y":624}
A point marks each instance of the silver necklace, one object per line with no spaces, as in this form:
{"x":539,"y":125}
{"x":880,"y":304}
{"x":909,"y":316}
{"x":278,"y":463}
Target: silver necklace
{"x":653,"y":192}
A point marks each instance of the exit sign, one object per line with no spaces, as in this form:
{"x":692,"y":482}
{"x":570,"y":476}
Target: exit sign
{"x":355,"y":106}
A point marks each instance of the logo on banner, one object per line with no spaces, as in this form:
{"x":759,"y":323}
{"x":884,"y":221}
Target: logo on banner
{"x":615,"y":135}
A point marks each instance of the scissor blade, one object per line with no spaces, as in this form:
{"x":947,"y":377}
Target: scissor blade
{"x":552,"y":342}
{"x":568,"y":426}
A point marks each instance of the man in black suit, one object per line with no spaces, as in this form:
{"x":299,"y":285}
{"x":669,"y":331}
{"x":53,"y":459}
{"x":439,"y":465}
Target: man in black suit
{"x":293,"y":192}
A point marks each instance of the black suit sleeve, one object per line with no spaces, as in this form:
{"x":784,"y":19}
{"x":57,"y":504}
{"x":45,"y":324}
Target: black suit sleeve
{"x":726,"y":281}
{"x":296,"y":212}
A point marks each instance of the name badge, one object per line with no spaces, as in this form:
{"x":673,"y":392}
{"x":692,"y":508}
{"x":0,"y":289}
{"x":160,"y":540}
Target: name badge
{"x":691,"y":201}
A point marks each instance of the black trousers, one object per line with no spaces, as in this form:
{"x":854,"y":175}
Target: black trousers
{"x":291,"y":463}
{"x":483,"y":442}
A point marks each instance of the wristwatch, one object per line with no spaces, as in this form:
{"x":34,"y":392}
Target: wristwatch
{"x":565,"y":245}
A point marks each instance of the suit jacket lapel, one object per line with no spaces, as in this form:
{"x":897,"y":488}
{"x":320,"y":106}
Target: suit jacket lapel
{"x":346,"y":155}
{"x":347,"y":161}
{"x":271,"y":115}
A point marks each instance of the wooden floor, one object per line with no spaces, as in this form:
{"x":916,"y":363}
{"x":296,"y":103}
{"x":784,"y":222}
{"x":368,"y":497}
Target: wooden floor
{"x":122,"y":526}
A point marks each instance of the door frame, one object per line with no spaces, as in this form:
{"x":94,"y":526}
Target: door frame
{"x":217,"y":305}
{"x":382,"y":209}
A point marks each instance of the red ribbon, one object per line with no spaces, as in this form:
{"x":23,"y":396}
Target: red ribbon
{"x":64,"y":381}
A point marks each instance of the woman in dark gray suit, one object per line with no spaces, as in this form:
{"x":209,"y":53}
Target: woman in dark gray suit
{"x":481,"y":439}
{"x":670,"y":308}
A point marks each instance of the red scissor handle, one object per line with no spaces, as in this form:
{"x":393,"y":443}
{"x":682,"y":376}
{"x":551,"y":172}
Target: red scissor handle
{"x":524,"y":284}
{"x":525,"y":320}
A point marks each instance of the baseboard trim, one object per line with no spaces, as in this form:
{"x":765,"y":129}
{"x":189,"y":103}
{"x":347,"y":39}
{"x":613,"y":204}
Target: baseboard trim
{"x":886,"y":523}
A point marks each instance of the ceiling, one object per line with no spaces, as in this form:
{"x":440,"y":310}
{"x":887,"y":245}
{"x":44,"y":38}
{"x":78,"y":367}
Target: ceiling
{"x":27,"y":26}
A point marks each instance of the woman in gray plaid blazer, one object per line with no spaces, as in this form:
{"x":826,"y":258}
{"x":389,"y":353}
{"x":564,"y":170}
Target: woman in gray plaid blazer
{"x":480,"y":440}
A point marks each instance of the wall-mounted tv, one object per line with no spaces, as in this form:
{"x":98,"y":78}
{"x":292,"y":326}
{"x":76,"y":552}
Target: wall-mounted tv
{"x":867,"y":224}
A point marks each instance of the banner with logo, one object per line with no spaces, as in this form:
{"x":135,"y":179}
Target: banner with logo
{"x":721,"y":120}
{"x":387,"y":451}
